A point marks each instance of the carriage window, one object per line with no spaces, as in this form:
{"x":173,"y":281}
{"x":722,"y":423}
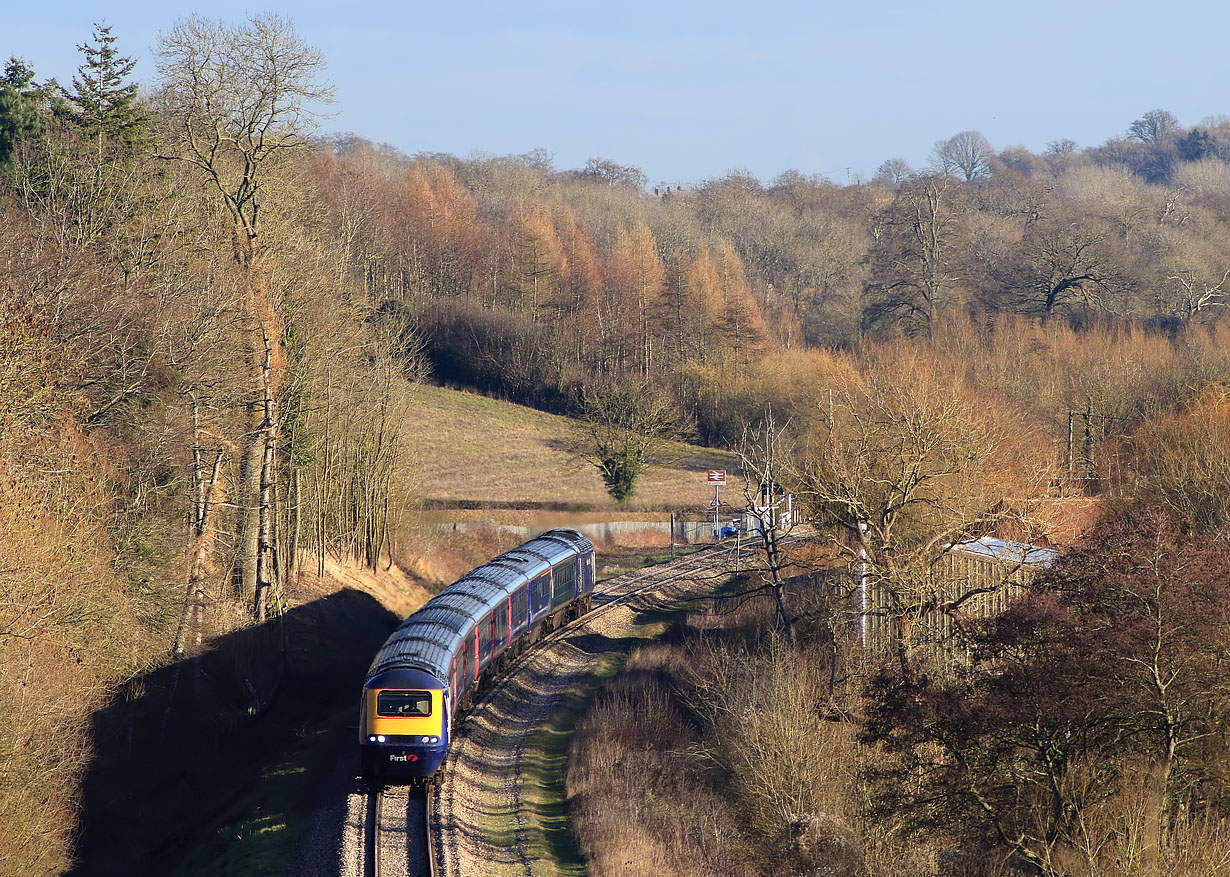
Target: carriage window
{"x":565,"y":581}
{"x":403,"y":703}
{"x":540,"y":591}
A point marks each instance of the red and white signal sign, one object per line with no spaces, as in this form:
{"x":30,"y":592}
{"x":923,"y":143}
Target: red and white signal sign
{"x":717,"y":477}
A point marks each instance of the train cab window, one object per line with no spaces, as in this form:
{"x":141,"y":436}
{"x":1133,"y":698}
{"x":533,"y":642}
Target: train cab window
{"x":404,"y":704}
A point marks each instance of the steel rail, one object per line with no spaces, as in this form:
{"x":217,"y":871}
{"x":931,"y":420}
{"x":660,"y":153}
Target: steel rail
{"x":371,"y":832}
{"x":706,"y":559}
{"x":429,"y":805}
{"x":710,"y":558}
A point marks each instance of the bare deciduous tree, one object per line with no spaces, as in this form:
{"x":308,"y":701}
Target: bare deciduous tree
{"x":1063,"y":264}
{"x":907,"y":468}
{"x":765,"y":458}
{"x":624,"y":426}
{"x":915,"y":256}
{"x":1196,"y":276}
{"x":236,"y":101}
{"x":894,"y":171}
{"x":1154,"y":126}
{"x":966,"y":155}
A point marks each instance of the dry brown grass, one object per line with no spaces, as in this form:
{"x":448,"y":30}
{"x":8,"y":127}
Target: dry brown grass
{"x":398,"y":592}
{"x":640,"y":801}
{"x":716,"y":755}
{"x":473,"y":447}
{"x":712,"y":757}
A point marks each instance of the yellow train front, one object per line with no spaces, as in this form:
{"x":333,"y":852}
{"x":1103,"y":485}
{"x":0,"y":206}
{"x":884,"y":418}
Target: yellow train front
{"x":403,"y":725}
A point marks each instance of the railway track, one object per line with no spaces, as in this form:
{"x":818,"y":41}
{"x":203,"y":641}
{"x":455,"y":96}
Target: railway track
{"x":625,"y":587}
{"x":397,"y":833}
{"x":398,"y":837}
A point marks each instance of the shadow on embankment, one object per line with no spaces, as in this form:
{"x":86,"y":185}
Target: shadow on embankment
{"x":178,"y":740}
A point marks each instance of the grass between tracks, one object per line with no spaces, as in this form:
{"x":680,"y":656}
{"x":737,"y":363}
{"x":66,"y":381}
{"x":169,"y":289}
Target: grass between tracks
{"x":548,"y":835}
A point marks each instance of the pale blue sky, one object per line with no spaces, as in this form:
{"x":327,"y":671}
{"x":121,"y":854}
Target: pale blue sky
{"x":690,"y":90}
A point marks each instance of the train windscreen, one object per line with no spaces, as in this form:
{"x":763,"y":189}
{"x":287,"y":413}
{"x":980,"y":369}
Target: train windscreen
{"x":403,"y":703}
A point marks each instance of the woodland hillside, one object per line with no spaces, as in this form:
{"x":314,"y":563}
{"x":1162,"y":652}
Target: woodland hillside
{"x":212,"y":317}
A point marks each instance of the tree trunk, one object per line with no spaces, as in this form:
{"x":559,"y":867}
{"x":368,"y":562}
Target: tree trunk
{"x":296,"y":524}
{"x":204,"y":531}
{"x":266,"y":565}
{"x":248,"y":501}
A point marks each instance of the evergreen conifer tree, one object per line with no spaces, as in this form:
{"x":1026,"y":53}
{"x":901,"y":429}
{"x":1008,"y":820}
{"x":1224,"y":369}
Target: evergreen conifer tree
{"x":106,"y":103}
{"x":19,"y":108}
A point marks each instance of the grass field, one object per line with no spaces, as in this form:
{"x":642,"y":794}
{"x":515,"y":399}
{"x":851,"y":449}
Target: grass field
{"x":471,"y":447}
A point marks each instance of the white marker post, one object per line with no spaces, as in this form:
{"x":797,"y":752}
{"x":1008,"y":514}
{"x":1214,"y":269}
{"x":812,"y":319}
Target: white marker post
{"x":716,"y":477}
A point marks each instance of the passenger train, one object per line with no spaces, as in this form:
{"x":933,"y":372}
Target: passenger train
{"x":434,"y":663}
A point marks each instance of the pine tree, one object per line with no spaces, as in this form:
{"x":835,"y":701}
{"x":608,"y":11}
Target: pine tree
{"x":19,"y":111}
{"x":107,"y":104}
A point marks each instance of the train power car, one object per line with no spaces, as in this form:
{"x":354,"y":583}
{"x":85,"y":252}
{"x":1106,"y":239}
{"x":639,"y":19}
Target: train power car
{"x":434,"y":663}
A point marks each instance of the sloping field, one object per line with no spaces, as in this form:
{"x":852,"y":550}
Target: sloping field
{"x":471,"y":447}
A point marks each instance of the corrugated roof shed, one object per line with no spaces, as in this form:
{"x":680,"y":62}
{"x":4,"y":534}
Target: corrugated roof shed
{"x":1007,"y":551}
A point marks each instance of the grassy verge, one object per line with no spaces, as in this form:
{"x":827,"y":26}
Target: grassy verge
{"x":615,"y":562}
{"x":546,"y":829}
{"x":547,"y":824}
{"x":545,"y":794}
{"x":257,"y":812}
{"x":475,"y":450}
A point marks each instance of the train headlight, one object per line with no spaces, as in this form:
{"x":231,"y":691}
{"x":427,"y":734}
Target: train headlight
{"x":426,"y":739}
{"x":371,"y":739}
{"x":379,"y":738}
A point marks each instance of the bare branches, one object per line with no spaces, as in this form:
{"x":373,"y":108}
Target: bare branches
{"x":1199,"y":293}
{"x":236,"y":98}
{"x":906,"y":468}
{"x":765,"y":458}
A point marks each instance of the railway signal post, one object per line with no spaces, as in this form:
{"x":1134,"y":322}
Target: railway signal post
{"x":716,"y":477}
